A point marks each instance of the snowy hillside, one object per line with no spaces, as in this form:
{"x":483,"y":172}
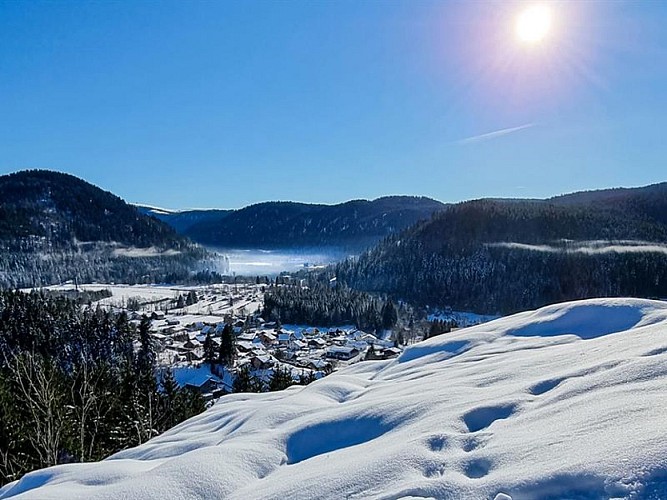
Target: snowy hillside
{"x":567,"y":401}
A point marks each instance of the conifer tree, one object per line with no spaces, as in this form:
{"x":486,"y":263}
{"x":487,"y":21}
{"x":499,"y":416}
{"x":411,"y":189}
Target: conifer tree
{"x":209,"y":350}
{"x":227,"y":352}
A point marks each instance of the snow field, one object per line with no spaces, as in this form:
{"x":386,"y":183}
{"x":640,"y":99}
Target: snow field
{"x":569,"y":401}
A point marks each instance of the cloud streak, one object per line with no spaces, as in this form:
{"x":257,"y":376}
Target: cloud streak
{"x":494,"y":135}
{"x":588,"y":247}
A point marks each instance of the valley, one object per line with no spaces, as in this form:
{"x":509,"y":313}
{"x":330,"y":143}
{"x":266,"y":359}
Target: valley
{"x":358,"y":306}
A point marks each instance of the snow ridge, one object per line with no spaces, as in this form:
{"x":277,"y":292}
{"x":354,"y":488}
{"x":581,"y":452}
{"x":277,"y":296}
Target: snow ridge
{"x":566,"y":401}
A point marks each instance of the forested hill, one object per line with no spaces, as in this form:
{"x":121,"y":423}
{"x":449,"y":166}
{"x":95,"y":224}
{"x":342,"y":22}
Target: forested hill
{"x":183,"y":220}
{"x":646,"y":202}
{"x":57,"y":210}
{"x":500,"y":256}
{"x":55,"y":227}
{"x":355,"y":224}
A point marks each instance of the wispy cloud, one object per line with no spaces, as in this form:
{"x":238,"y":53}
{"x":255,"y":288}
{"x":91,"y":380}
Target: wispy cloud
{"x":494,"y":135}
{"x":598,"y":247}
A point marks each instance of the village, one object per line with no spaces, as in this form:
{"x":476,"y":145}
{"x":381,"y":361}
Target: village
{"x":183,"y":316}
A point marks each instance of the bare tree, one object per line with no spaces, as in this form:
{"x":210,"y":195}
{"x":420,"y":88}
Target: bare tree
{"x":90,"y":406}
{"x":39,"y":388}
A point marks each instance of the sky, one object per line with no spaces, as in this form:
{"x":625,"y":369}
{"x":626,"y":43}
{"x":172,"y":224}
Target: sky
{"x":222,"y":104}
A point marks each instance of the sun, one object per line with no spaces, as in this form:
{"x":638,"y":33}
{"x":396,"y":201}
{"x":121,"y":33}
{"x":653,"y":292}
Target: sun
{"x":533,"y":24}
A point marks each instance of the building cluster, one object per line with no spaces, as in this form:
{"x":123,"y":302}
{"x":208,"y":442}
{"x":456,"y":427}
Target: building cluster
{"x":262,"y":346}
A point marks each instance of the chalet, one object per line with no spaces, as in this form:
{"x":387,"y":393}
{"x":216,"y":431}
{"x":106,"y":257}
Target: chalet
{"x":191,"y":344}
{"x":391,"y":352}
{"x":297,"y":345}
{"x":245,"y":346}
{"x":180,"y":335}
{"x":317,"y":364}
{"x":342,"y":353}
{"x":268,"y":337}
{"x":288,"y":355}
{"x":283,"y":338}
{"x":317,"y":343}
{"x":203,"y":386}
{"x":157,"y":315}
{"x":248,"y":336}
{"x":368,"y":338}
{"x":198,"y":380}
{"x":261,"y":362}
{"x":159,"y":337}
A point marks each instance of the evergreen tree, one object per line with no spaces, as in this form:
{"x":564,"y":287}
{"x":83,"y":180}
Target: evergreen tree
{"x":180,"y":304}
{"x":281,"y":379}
{"x":209,"y":350}
{"x":146,"y":353}
{"x":227,"y":352}
{"x":245,"y":381}
{"x":389,"y":315}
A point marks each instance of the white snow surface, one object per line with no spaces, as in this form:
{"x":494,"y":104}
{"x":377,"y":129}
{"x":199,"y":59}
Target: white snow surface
{"x":569,"y":401}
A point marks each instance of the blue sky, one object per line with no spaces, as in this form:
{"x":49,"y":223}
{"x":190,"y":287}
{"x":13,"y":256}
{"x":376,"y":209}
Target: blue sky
{"x":222,"y":104}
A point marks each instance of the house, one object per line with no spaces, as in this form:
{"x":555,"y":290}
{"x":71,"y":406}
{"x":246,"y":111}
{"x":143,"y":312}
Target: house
{"x":267,"y":337}
{"x":159,"y":315}
{"x":199,"y":380}
{"x":245,"y":346}
{"x":191,"y":344}
{"x":317,"y":343}
{"x":391,"y":352}
{"x":317,"y":364}
{"x":342,"y":353}
{"x":261,"y":362}
{"x":180,"y":335}
{"x":248,"y":336}
{"x":283,"y":338}
{"x":204,"y":386}
{"x":368,"y":338}
{"x":297,"y":345}
{"x":298,"y":335}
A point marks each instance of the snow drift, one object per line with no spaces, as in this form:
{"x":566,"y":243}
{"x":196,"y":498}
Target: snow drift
{"x":569,"y":401}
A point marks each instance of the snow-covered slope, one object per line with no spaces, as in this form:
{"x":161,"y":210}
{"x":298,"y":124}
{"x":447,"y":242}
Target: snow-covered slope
{"x":569,"y":401}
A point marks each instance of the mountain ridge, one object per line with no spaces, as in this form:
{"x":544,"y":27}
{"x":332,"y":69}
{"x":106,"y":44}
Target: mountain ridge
{"x":286,"y":224}
{"x":492,"y":256}
{"x":56,"y":227}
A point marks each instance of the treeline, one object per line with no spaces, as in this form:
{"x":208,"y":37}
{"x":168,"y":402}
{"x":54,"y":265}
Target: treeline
{"x":280,"y":379}
{"x":35,"y":269}
{"x":503,"y":257}
{"x":324,"y":305}
{"x":55,"y":227}
{"x":73,"y":387}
